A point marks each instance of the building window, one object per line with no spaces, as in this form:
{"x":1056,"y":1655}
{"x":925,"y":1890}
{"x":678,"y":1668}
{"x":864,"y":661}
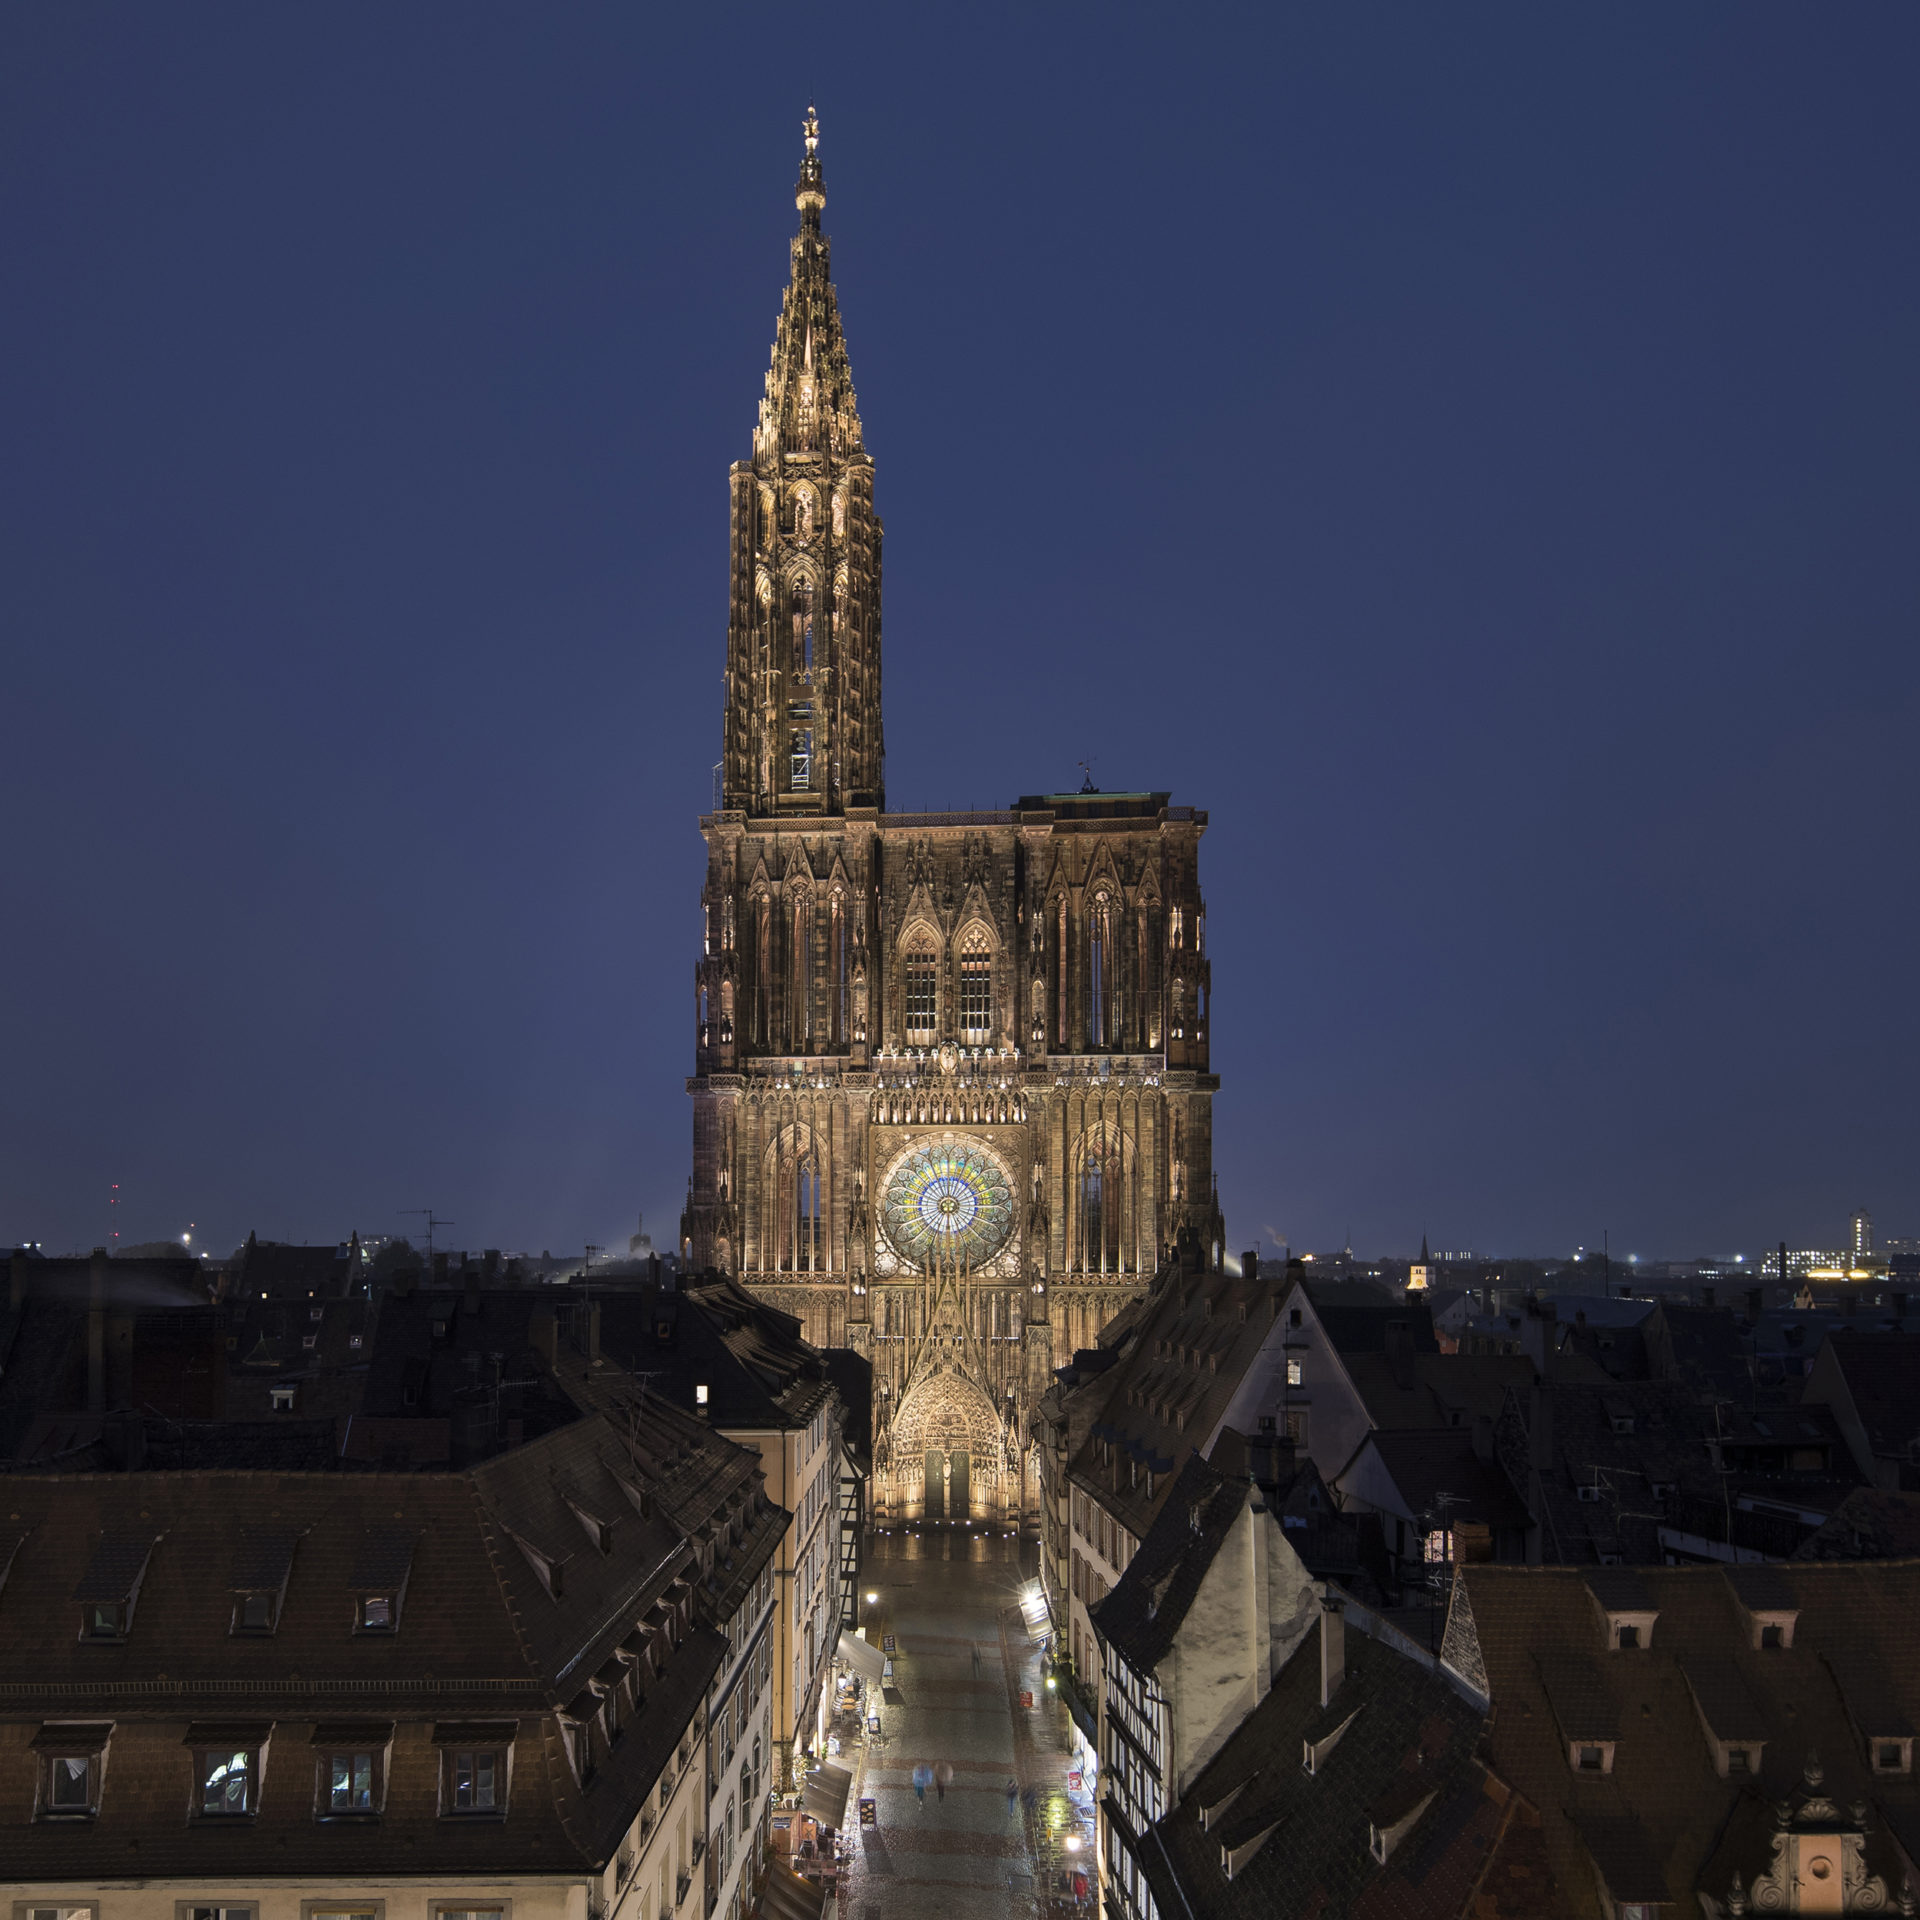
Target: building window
{"x":476,"y":1780}
{"x":497,"y":1910}
{"x":350,"y":1781}
{"x":107,"y":1620}
{"x":375,"y":1613}
{"x":922,"y":994}
{"x":255,"y":1612}
{"x":73,"y":1760}
{"x":1739,"y":1760}
{"x":338,"y":1910}
{"x":282,"y":1399}
{"x":1099,"y":963}
{"x":1770,"y":1636}
{"x":190,"y":1910}
{"x":1296,"y":1374}
{"x":1627,"y":1636}
{"x":976,"y":990}
{"x":803,"y":630}
{"x":1591,"y":1759}
{"x":228,"y":1779}
{"x":29,"y":1910}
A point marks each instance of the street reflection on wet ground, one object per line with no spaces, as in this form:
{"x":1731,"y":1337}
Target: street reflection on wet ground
{"x":968,"y":1693}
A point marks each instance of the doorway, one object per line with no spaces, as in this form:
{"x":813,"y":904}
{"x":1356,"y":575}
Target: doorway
{"x":936,"y":1506}
{"x":959,"y":1471}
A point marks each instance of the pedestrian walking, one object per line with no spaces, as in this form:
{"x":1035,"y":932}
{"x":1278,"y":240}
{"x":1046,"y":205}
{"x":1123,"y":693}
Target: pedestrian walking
{"x":942,"y":1776}
{"x":922,"y":1779}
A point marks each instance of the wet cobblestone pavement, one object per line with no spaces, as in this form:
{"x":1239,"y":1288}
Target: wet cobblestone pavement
{"x":962,"y":1661}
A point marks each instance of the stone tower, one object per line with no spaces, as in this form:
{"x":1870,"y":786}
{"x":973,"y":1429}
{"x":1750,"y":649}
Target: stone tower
{"x":952,"y":1103}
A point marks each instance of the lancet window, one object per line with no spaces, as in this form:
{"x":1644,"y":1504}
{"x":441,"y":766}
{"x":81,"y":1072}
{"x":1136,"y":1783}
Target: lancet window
{"x":1099,"y":970}
{"x":976,"y":989}
{"x":922,"y":992}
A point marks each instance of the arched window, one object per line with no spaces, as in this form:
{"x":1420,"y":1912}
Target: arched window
{"x":1060,"y":986}
{"x":976,"y":989}
{"x":1092,"y":1210}
{"x":762,"y":976}
{"x":802,"y":1019}
{"x":806,"y":1213}
{"x":1099,"y":966}
{"x":838,"y":962}
{"x":922,"y":997}
{"x":803,"y":630}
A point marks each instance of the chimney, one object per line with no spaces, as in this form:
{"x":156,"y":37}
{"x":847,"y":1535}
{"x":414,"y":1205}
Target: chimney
{"x":1400,"y":1352}
{"x":1483,"y":1436}
{"x":97,"y":1332}
{"x":1250,"y":1265}
{"x":1333,"y":1646}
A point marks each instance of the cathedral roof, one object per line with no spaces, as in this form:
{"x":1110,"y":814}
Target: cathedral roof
{"x":810,"y":405}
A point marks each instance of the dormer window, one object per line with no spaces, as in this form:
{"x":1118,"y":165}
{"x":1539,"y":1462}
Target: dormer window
{"x":1625,"y":1605}
{"x":350,"y":1769}
{"x":110,"y":1588}
{"x":1772,"y":1634}
{"x":255,"y":1612}
{"x":261,"y":1565}
{"x":1893,"y":1756}
{"x":228,"y":1764}
{"x":1626,"y":1634}
{"x":599,"y":1531}
{"x":378,"y":1582}
{"x":1593,"y":1756}
{"x":73,"y":1759}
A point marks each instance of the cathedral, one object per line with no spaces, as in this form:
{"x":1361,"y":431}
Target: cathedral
{"x":952,"y":1105}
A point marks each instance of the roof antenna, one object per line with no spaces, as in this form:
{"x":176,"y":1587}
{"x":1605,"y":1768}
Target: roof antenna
{"x":1086,"y":785}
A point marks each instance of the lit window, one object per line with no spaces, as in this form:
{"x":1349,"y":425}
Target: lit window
{"x":351,"y":1781}
{"x":1296,"y":1373}
{"x":976,"y":989}
{"x":921,"y":996}
{"x":227,"y":1781}
{"x":700,"y":1393}
{"x":376,"y":1613}
{"x":477,"y":1778}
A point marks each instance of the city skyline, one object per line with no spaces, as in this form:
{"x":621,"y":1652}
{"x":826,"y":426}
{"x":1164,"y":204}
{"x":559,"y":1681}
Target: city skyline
{"x":375,"y":607}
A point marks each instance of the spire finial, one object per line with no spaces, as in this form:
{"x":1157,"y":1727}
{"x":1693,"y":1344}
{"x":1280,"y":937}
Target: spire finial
{"x":811,"y":194}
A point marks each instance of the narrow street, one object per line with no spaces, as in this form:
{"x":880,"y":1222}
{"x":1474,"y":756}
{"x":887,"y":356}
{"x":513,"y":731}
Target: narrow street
{"x":962,"y":1662}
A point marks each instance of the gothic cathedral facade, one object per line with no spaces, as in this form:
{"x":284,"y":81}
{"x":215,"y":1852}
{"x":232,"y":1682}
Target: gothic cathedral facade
{"x":952,"y":1105}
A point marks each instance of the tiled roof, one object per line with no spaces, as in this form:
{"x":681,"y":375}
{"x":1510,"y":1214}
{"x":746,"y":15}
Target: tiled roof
{"x":478,"y":1638}
{"x":1196,"y":1336}
{"x":1663,"y":1806}
{"x":1882,"y":1372}
{"x":1427,"y":1465}
{"x":1299,"y":1841}
{"x":1869,"y":1524}
{"x":1143,"y":1612}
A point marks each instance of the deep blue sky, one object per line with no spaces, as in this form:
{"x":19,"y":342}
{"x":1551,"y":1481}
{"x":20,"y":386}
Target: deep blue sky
{"x":1470,"y":451}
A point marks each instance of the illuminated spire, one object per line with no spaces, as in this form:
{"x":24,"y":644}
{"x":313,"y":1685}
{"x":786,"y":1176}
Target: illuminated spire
{"x":810,"y":195}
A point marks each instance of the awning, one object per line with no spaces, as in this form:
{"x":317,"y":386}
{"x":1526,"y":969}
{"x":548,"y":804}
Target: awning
{"x":827,"y":1790}
{"x":863,"y":1657}
{"x":788,"y":1897}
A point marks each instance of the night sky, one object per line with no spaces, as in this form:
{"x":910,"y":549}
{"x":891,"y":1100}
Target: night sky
{"x":1469,"y":451}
